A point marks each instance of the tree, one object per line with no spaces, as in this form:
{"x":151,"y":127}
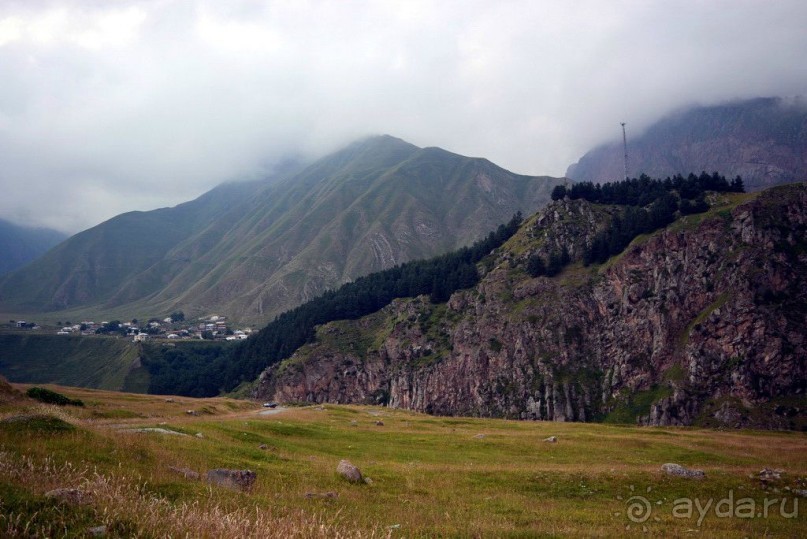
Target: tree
{"x":559,"y":192}
{"x":554,"y":266}
{"x":178,"y":316}
{"x":535,"y":265}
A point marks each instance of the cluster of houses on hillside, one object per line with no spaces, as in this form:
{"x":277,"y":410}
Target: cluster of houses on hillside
{"x":212,"y":327}
{"x":22,"y":324}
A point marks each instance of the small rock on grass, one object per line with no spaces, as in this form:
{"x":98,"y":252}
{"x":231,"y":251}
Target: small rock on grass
{"x":187,"y":473}
{"x":349,"y":471}
{"x":681,"y":471}
{"x":234,"y":479}
{"x":70,"y":495}
{"x":768,"y":474}
{"x":97,"y":531}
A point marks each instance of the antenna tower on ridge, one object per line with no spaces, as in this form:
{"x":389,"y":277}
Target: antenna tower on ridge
{"x":625,"y":144}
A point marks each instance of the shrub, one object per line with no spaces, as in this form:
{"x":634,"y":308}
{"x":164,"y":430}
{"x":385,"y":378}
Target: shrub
{"x":51,"y":397}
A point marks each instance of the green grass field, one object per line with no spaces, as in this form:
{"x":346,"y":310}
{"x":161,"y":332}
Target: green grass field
{"x":430,"y":476}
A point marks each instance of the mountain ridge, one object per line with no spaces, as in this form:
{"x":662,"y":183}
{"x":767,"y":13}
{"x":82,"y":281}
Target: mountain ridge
{"x":378,"y":202}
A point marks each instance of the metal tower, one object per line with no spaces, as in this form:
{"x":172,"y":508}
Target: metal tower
{"x":625,"y":145}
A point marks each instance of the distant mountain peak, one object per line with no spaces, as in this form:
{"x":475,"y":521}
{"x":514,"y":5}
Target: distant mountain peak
{"x":764,"y":140}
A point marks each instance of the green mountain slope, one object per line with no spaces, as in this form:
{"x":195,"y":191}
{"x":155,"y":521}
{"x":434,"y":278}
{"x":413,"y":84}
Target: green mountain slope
{"x":20,"y":245}
{"x":346,"y":217}
{"x":100,"y":363}
{"x":763,"y":140}
{"x":92,"y":267}
{"x":377,"y":203}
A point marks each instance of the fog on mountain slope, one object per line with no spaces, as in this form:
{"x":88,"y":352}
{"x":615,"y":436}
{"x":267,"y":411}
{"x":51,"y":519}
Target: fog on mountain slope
{"x":20,"y":245}
{"x":253,"y":251}
{"x":763,"y":140}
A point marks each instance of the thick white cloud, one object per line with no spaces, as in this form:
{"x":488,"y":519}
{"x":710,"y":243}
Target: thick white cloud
{"x":111,"y":106}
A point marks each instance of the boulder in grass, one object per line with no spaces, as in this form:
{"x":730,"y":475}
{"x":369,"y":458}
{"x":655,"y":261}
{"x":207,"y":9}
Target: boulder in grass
{"x":234,"y":479}
{"x":349,"y":472}
{"x":680,"y":471}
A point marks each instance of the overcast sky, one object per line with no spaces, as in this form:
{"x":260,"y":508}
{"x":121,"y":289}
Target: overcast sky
{"x":111,"y":106}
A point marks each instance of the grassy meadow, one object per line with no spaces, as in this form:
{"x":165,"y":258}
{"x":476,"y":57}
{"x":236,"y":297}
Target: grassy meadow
{"x":429,"y":476}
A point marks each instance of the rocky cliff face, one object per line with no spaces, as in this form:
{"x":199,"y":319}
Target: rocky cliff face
{"x":700,"y":323}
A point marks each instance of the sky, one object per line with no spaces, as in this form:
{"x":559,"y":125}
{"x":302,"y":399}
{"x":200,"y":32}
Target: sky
{"x":113,"y":106}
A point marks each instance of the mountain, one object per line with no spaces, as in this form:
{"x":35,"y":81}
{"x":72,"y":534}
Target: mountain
{"x":762,"y":140}
{"x":700,"y":322}
{"x":20,"y":245}
{"x":254,"y":254}
{"x":92,"y":267}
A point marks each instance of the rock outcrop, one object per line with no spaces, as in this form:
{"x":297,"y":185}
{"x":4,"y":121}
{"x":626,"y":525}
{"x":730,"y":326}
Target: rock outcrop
{"x":699,"y":323}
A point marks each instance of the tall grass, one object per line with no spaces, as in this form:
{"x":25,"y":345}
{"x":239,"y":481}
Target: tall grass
{"x":124,"y":504}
